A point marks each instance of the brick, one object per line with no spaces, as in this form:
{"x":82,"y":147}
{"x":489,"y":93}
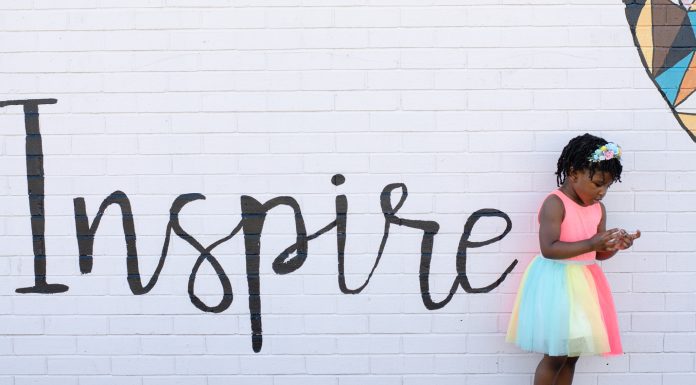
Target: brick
{"x":348,"y":324}
{"x":661,"y":362}
{"x":498,"y":379}
{"x":173,"y":345}
{"x":143,"y":365}
{"x":111,"y":345}
{"x":434,"y":344}
{"x":436,"y":16}
{"x":637,"y":378}
{"x":494,"y":100}
{"x":459,"y":363}
{"x":678,"y":378}
{"x":663,"y":282}
{"x":285,"y":345}
{"x":367,"y":17}
{"x":396,"y":79}
{"x":44,"y":345}
{"x":643,"y":342}
{"x":367,"y":101}
{"x":167,"y":380}
{"x":169,"y":144}
{"x":401,"y":120}
{"x":110,"y":380}
{"x":140,"y":325}
{"x":401,"y":364}
{"x":272,"y":365}
{"x":47,"y":380}
{"x":680,"y":301}
{"x":309,"y":380}
{"x":373,"y":344}
{"x":78,"y":365}
{"x":207,"y":365}
{"x":566,"y":99}
{"x":679,"y":342}
{"x":643,"y":302}
{"x":337,"y":364}
{"x":368,"y":142}
{"x":22,"y":324}
{"x":241,"y":380}
{"x":435,"y":142}
{"x":663,"y":322}
{"x":333,"y":38}
{"x":391,"y":163}
{"x":369,"y":380}
{"x":434,"y":100}
{"x":17,"y":365}
{"x":295,"y":18}
{"x":596,"y":364}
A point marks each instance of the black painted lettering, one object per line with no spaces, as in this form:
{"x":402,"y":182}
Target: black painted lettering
{"x":35,"y":192}
{"x":253,"y":218}
{"x":465,"y":243}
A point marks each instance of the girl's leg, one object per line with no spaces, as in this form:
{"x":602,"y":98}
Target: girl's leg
{"x":565,"y":376}
{"x":548,"y":369}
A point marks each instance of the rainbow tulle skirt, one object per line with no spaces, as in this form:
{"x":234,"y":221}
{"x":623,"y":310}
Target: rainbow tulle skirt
{"x":564,"y":309}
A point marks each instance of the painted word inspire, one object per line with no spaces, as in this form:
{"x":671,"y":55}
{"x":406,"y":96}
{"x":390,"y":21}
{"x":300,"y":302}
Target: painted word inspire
{"x":251,"y":225}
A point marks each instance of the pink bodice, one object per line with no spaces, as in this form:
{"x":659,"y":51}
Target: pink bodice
{"x":579,"y":223}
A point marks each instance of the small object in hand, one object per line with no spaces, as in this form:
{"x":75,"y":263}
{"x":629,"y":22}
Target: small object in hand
{"x":616,"y":236}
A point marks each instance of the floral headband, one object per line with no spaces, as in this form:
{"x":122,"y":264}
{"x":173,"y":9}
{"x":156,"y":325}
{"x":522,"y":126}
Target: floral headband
{"x":606,"y":152}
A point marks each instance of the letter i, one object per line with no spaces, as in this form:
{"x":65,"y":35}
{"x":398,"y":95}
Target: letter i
{"x":35,"y":191}
{"x":341,"y":215}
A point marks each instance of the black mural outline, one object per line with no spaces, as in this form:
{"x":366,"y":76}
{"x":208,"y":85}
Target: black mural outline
{"x":254,"y":214}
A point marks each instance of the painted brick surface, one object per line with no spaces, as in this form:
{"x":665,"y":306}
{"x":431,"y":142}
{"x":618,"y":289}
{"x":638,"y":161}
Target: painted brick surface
{"x":467,"y":103}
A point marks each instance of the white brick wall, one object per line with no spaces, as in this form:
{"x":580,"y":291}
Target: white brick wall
{"x":466,"y":102}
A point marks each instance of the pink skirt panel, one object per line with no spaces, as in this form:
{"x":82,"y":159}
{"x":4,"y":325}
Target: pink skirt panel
{"x":606,"y":304}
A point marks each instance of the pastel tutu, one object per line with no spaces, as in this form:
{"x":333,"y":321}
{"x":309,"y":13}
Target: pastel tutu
{"x":564,"y":308}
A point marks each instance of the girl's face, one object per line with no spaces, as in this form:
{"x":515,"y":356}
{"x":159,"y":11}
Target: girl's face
{"x":590,"y":190}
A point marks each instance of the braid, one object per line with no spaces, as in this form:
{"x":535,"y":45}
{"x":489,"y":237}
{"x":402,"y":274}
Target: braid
{"x":576,"y":153}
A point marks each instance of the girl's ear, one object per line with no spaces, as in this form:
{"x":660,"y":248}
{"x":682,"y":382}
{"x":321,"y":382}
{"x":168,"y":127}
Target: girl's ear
{"x":573,"y":174}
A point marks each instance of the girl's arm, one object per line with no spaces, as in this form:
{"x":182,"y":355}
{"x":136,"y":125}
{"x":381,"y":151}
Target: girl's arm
{"x":550,"y":219}
{"x":602,"y":255}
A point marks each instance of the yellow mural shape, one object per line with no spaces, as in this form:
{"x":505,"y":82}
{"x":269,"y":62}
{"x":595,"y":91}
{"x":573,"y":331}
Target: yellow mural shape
{"x":644,"y":34}
{"x":689,"y":120}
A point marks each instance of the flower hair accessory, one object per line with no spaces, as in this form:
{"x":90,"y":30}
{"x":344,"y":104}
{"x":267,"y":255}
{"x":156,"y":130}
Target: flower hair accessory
{"x":606,"y":152}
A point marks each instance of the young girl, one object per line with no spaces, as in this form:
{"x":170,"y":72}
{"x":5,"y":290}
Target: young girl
{"x":564,"y":307}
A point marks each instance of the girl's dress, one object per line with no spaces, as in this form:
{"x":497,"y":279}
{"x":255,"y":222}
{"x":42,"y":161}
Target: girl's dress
{"x":564,"y":306}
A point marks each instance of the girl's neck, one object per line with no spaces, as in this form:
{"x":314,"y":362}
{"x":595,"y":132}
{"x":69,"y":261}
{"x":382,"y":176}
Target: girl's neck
{"x":570,"y":193}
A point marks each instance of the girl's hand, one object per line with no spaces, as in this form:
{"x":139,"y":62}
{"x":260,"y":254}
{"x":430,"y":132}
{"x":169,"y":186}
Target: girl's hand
{"x":606,"y":240}
{"x":626,"y":239}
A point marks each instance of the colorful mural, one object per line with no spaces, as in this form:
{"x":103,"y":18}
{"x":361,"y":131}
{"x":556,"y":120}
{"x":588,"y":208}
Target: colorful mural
{"x":664,"y":32}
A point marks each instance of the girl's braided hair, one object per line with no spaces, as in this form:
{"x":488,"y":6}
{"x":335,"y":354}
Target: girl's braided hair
{"x":576,"y":155}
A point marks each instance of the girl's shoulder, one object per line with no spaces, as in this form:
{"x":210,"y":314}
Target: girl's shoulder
{"x":552,"y":208}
